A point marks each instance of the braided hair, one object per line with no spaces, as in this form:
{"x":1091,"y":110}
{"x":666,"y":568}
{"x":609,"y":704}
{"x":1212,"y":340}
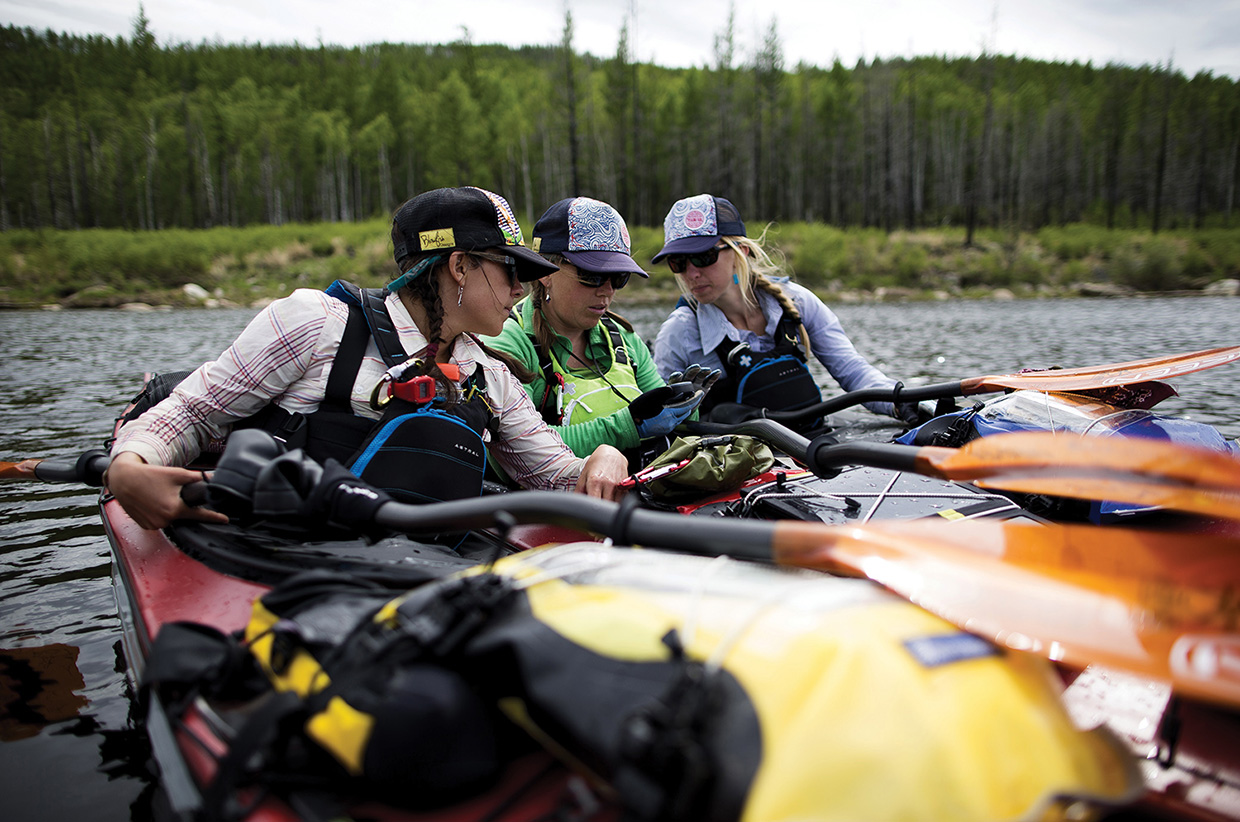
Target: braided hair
{"x":753,"y":269}
{"x":425,"y":290}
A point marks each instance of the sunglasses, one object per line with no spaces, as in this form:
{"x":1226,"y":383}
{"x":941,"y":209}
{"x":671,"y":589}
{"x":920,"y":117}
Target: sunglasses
{"x":509,"y":263}
{"x":592,"y":279}
{"x":678,"y":263}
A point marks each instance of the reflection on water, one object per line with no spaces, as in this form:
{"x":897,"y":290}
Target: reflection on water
{"x":69,"y":747}
{"x":38,"y":686}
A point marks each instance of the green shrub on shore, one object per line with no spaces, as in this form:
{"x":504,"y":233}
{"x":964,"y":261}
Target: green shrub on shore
{"x":103,"y":267}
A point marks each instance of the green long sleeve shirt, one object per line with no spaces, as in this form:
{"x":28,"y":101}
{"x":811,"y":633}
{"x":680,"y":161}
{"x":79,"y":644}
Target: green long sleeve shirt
{"x":617,"y":428}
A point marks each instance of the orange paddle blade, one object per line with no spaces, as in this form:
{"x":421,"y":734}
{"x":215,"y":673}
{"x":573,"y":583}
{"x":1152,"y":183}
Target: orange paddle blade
{"x":18,"y":470}
{"x":1101,"y":376}
{"x":1124,"y":469}
{"x":1064,"y":592}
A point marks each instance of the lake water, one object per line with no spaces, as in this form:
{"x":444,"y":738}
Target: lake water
{"x":69,"y":748}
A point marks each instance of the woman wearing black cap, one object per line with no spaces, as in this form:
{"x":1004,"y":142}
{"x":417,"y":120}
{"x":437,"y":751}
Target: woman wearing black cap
{"x":461,"y":259}
{"x":739,"y":315}
{"x":594,"y":379}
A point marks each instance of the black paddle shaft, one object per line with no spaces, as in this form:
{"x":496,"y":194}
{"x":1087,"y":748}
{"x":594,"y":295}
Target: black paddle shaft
{"x":624,"y":523}
{"x":731,"y":412}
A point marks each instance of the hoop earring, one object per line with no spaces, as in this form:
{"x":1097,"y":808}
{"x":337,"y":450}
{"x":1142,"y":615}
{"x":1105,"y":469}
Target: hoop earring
{"x":460,"y":295}
{"x":547,"y":297}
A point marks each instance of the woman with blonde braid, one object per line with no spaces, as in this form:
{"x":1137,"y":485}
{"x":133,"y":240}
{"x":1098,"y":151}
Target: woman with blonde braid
{"x":739,"y":315}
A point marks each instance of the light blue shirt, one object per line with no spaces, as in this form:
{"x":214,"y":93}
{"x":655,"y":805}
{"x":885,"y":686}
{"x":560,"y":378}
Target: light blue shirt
{"x":689,"y":336}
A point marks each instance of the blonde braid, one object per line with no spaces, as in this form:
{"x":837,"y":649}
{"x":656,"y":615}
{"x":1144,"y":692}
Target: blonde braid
{"x":754,"y":269}
{"x":786,"y":303}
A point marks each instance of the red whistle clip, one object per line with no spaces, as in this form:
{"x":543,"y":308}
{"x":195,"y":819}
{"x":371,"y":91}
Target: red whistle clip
{"x":420,"y":390}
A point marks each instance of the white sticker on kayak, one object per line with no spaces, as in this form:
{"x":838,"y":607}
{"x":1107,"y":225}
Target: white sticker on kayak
{"x":944,"y":649}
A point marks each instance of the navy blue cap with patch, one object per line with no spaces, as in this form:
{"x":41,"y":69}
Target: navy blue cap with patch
{"x":589,"y":233}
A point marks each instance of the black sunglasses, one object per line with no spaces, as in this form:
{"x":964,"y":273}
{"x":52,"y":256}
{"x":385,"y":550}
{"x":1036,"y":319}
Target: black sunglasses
{"x":594,"y":279}
{"x":678,"y":263}
{"x":509,"y":263}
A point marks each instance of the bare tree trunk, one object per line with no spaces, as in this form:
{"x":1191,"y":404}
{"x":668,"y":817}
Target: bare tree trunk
{"x":570,"y":79}
{"x":52,"y":199}
{"x":977,"y":163}
{"x":148,"y":183}
{"x":189,"y":193}
{"x":71,"y":168}
{"x":208,"y":183}
{"x":526,"y":181}
{"x":344,"y":215}
{"x":387,"y":195}
{"x":6,"y":222}
{"x":1230,"y":199}
{"x":228,"y":209}
{"x":910,"y":196}
{"x":889,"y":195}
{"x":88,"y":210}
{"x":1160,"y":166}
{"x":267,"y":177}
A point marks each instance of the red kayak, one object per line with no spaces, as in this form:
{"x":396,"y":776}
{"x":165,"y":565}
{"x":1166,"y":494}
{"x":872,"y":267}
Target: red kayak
{"x":211,"y":575}
{"x":158,"y":583}
{"x":1186,"y":749}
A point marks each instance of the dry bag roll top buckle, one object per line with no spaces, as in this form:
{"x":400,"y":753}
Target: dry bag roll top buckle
{"x":418,"y":390}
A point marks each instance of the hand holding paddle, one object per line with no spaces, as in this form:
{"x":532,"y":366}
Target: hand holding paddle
{"x":152,"y":495}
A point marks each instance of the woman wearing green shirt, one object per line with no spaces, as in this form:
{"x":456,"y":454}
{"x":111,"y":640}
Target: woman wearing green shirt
{"x":596,"y":381}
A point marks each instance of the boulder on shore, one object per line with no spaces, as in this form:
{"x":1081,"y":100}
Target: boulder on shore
{"x":1223,"y":288}
{"x":195,"y":292}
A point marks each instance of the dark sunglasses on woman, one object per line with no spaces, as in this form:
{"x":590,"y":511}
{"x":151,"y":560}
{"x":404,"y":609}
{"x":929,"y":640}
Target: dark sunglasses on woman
{"x":678,"y":263}
{"x":594,"y":279}
{"x":509,"y":263}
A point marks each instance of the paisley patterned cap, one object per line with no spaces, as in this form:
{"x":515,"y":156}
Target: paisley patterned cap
{"x":696,"y":223}
{"x":590,"y":234}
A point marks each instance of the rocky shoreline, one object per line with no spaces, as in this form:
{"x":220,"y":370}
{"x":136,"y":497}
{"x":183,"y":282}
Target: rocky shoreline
{"x":195,"y":296}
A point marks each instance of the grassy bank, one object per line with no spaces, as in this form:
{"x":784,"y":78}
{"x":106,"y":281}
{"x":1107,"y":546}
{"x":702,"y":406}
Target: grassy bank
{"x":107,"y":268}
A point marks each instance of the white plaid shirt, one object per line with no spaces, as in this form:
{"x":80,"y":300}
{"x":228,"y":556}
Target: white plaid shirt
{"x":285,"y":355}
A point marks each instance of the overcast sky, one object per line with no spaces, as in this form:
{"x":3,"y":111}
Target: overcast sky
{"x":1194,"y":35}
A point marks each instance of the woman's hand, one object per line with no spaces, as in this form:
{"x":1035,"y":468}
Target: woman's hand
{"x":657,"y":412}
{"x":602,"y":473}
{"x":151,"y":494}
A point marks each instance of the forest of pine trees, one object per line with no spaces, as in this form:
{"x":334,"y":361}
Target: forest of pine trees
{"x":100,"y":132}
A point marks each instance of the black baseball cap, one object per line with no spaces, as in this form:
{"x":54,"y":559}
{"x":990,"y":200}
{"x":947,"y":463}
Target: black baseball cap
{"x":463,"y":219}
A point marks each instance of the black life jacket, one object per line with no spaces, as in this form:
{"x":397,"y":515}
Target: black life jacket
{"x":778,"y":379}
{"x":417,"y":452}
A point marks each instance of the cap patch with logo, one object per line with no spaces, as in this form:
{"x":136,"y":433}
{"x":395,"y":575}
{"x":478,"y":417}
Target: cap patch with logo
{"x":691,"y":217}
{"x":694,"y":224}
{"x":436,"y":238}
